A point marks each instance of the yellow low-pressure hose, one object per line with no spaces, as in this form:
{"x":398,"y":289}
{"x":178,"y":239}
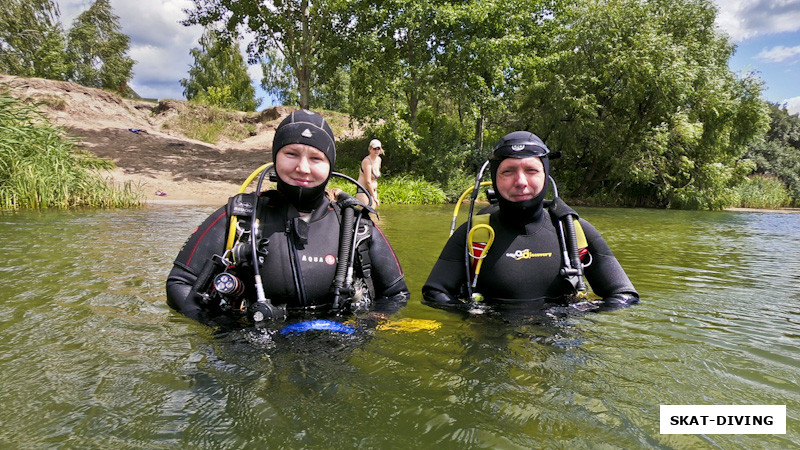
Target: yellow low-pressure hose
{"x":234,"y":220}
{"x":460,"y":201}
{"x":480,"y":233}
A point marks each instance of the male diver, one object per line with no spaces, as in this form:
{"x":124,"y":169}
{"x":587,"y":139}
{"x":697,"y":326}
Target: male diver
{"x":533,"y":254}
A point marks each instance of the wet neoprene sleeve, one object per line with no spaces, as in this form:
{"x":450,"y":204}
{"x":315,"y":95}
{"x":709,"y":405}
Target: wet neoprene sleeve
{"x":207,"y":240}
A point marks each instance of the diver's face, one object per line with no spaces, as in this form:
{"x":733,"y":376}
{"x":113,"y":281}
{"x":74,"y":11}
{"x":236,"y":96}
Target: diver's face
{"x":520,"y":179}
{"x":302,"y":165}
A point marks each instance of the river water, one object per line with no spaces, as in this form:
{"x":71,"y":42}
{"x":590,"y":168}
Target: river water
{"x":91,"y":356}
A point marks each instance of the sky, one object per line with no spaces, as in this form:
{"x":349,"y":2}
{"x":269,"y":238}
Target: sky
{"x":765,"y":32}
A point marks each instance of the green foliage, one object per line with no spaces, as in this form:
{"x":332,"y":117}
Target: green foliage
{"x":410,"y":191}
{"x":278,"y":79}
{"x":779,"y":153}
{"x":436,"y":153}
{"x":762,"y":191}
{"x":97,"y":50}
{"x":219,"y":75}
{"x":296,"y":31}
{"x":402,"y":190}
{"x":400,"y":144}
{"x":639,"y":98}
{"x":40,"y":168}
{"x":349,"y":153}
{"x":31,"y":39}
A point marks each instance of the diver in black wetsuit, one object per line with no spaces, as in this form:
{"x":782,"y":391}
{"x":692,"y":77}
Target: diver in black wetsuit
{"x":297,"y":244}
{"x":524,"y":264}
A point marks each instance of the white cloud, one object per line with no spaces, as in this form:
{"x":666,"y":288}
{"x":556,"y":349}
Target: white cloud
{"x":159,"y":43}
{"x":792,"y":105}
{"x":779,"y":54}
{"x":743,"y":19}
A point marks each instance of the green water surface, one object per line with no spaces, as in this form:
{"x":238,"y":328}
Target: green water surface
{"x":91,"y":356}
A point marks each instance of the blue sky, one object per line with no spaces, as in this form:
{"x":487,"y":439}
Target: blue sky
{"x":766,"y":33}
{"x":767,"y":36}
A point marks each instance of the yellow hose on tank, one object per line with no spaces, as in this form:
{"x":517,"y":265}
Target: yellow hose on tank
{"x":234,"y":220}
{"x":480,"y":233}
{"x":460,"y":201}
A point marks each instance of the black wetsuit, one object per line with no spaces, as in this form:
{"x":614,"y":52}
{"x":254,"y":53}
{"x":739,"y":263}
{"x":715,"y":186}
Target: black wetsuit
{"x":300,"y":264}
{"x":522,"y":265}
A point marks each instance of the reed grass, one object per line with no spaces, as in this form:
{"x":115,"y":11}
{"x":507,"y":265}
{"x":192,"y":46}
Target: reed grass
{"x":761,"y":191}
{"x":41,"y":168}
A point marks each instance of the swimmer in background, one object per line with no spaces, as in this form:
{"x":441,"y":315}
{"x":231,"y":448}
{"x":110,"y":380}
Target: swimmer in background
{"x":369,"y":173}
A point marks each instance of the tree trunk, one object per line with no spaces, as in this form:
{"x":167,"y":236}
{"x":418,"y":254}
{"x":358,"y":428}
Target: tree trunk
{"x":480,"y":123}
{"x":413,"y":105}
{"x":304,"y":80}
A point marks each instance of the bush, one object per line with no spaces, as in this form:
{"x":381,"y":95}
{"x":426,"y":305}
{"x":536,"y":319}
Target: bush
{"x":762,"y":191}
{"x":406,"y":190}
{"x":403,"y":190}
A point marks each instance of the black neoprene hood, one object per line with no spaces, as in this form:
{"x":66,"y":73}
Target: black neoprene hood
{"x":519,"y":144}
{"x":305,"y":127}
{"x":309,"y":128}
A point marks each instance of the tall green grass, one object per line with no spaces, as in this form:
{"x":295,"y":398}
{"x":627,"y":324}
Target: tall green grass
{"x":40,"y":167}
{"x":761,"y":191}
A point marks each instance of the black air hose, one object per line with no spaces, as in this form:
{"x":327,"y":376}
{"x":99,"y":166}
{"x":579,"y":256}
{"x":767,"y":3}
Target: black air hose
{"x":345,"y":245}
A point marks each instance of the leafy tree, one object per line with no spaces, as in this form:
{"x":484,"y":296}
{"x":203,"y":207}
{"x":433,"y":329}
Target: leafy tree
{"x":487,"y":47}
{"x":219,"y":75}
{"x":31,"y":39}
{"x":396,"y":45}
{"x":295,"y":29}
{"x":98,"y":50}
{"x":778,"y":154}
{"x":639,"y":98}
{"x":278,"y":78}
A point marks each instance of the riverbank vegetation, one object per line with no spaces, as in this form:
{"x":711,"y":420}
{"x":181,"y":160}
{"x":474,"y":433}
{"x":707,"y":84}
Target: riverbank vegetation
{"x":636,"y":96}
{"x":40,"y":166}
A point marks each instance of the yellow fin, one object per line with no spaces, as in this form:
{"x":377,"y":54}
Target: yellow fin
{"x":410,"y":325}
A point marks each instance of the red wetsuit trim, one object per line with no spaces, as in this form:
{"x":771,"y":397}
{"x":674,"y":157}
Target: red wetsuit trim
{"x":399,"y":269}
{"x":200,"y":239}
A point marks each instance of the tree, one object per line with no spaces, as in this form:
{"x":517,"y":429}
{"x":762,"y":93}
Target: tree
{"x":294,"y":28}
{"x":278,"y":78}
{"x":219,"y":75}
{"x":486,"y":48}
{"x":639,"y":98}
{"x":98,"y":50}
{"x":31,"y":39}
{"x":778,"y":154}
{"x":395,"y":45}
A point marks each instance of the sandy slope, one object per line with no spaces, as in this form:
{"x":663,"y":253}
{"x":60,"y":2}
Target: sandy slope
{"x":131,"y":133}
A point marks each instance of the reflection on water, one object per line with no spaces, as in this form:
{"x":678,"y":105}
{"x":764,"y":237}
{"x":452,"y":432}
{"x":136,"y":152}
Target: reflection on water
{"x":91,"y":355}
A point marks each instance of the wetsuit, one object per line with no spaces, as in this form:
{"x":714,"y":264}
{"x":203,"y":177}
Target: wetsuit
{"x":523,"y":263}
{"x":300,"y":262}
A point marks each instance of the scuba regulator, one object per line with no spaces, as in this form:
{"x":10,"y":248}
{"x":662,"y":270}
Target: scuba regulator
{"x":221,"y":278}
